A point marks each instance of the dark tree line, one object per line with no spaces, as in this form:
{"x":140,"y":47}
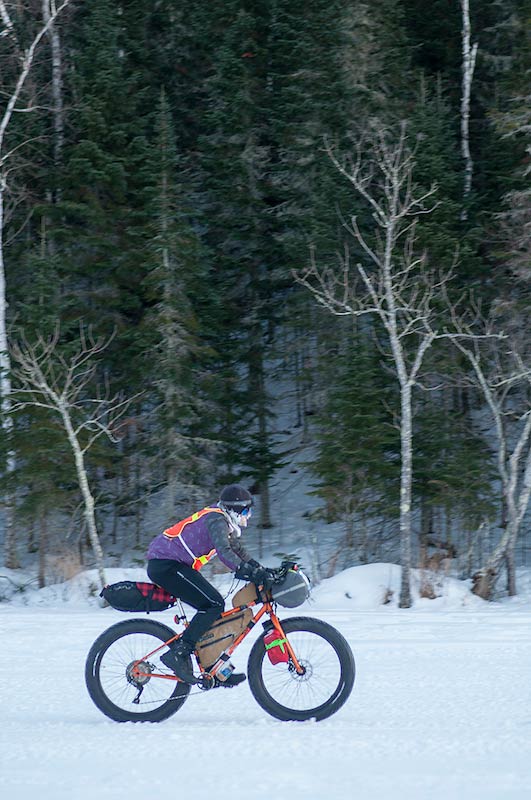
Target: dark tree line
{"x":168,"y":176}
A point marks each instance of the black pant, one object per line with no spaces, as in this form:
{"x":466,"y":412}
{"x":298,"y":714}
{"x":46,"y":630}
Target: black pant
{"x":189,"y":586}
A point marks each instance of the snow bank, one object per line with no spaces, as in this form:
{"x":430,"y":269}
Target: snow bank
{"x":377,"y":586}
{"x":362,"y":588}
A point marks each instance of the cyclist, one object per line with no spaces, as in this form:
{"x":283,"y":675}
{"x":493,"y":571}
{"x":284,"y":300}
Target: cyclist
{"x":177,"y":554}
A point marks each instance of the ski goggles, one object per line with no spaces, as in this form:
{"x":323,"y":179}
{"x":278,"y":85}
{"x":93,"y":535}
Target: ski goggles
{"x":246,"y":511}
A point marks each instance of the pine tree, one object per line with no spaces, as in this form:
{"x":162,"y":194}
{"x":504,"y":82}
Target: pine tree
{"x":175,"y":287}
{"x":357,"y":443}
{"x":237,"y":152}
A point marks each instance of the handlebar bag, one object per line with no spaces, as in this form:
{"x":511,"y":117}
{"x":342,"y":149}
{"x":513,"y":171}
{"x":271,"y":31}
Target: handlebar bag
{"x":137,"y":596}
{"x":292,"y":590}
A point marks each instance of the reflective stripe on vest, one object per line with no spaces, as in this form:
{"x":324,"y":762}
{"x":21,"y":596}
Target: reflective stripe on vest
{"x":178,"y":528}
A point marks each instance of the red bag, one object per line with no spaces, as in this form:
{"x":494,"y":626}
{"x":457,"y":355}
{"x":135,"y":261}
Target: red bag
{"x":275,"y":646}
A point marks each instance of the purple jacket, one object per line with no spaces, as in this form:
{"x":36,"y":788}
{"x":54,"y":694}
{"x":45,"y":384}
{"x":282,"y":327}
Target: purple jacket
{"x":196,"y":541}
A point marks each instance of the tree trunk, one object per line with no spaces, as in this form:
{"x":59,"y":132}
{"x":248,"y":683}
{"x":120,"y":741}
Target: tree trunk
{"x":427,"y":588}
{"x":265,"y":505}
{"x":11,"y":559}
{"x":88,"y":499}
{"x":10,"y":553}
{"x":57,"y":86}
{"x":511,"y":572}
{"x":484,"y":582}
{"x":469,"y":61}
{"x":364,"y":539}
{"x":43,"y":548}
{"x":406,"y":435}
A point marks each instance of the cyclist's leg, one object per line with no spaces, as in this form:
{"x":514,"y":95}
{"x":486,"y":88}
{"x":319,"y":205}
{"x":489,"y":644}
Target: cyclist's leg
{"x":194,"y":590}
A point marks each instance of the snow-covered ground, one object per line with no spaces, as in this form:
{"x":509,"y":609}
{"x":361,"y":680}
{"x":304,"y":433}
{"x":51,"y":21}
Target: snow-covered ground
{"x":441,"y":707}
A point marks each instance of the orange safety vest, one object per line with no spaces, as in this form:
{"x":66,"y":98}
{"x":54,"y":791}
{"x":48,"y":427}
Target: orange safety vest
{"x":178,"y":528}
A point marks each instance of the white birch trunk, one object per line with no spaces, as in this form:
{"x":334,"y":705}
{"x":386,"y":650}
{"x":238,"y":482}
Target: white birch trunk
{"x":26,"y":64}
{"x":406,"y":470}
{"x":392,"y":322}
{"x":10,"y":549}
{"x":395,"y":289}
{"x":468,"y":65}
{"x":57,"y":87}
{"x":516,"y":485}
{"x":517,"y":500}
{"x":88,"y":499}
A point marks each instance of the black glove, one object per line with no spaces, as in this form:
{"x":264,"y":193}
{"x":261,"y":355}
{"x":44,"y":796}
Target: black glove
{"x":256,"y":573}
{"x":246,"y":570}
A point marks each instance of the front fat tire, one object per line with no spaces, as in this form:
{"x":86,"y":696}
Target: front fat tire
{"x":96,"y":656}
{"x":338,"y":653}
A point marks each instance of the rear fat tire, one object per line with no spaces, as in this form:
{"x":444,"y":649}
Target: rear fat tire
{"x":96,"y":657}
{"x":341,"y":660}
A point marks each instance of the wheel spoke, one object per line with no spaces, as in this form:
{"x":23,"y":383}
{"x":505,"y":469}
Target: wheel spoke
{"x":111,"y":680}
{"x":113,"y":674}
{"x":322,"y":686}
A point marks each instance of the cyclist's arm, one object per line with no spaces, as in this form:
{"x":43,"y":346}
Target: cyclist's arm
{"x":229,"y":549}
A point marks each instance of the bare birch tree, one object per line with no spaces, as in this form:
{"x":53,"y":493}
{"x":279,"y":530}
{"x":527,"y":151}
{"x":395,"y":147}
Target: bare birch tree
{"x":25,"y":56}
{"x":502,"y":377}
{"x":394,"y":285}
{"x":44,"y":378}
{"x":467,"y":70}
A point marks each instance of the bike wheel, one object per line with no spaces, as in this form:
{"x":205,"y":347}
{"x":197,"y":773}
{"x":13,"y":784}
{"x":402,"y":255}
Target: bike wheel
{"x":326,"y":683}
{"x":110,"y":681}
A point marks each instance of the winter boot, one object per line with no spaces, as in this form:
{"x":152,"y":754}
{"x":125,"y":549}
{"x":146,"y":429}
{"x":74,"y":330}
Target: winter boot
{"x":233,"y":680}
{"x":178,"y":659}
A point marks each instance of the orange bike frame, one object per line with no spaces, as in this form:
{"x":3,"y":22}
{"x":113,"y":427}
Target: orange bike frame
{"x":266,"y":608}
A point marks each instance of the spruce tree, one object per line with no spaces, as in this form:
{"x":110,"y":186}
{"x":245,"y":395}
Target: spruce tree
{"x":357,"y":442}
{"x":175,"y":286}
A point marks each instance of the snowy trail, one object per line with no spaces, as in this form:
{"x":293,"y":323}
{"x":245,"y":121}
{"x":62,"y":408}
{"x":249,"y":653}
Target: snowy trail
{"x":441,"y":708}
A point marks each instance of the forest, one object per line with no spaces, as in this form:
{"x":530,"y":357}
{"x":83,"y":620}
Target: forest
{"x":205,"y":205}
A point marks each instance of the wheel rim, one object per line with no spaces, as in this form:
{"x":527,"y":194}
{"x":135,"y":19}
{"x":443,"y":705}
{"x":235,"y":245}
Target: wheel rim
{"x":319,"y":682}
{"x":125,"y":674}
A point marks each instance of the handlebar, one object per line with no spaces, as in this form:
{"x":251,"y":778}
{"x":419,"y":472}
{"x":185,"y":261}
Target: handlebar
{"x":279,"y":573}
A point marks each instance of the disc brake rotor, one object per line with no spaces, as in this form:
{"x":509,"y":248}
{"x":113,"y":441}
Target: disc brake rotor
{"x":306,"y":673}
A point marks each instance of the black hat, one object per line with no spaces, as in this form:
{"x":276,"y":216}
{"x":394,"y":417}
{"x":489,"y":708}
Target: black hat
{"x":235,"y":497}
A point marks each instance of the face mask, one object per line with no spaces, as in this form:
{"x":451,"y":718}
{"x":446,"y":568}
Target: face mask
{"x":244,"y":516}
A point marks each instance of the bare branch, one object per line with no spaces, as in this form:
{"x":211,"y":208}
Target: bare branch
{"x":45,"y":378}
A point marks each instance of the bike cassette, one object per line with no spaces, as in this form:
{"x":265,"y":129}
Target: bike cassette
{"x":138,"y":673}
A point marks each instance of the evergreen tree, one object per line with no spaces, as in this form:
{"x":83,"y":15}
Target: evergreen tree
{"x":357,"y":460}
{"x":175,"y":287}
{"x":237,"y":154}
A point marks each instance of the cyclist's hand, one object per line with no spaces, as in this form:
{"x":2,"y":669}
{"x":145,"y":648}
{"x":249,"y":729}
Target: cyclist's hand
{"x":246,"y":570}
{"x":270,"y":577}
{"x":262,"y":577}
{"x":256,"y":573}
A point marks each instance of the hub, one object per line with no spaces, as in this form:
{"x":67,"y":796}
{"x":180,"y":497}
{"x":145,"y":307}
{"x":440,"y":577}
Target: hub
{"x":138,"y":673}
{"x":305,"y":675}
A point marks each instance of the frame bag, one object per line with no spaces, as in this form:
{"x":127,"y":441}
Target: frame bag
{"x":220,"y":636}
{"x":137,"y":596}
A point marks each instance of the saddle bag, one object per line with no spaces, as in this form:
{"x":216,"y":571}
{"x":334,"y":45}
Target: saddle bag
{"x":137,"y":596}
{"x":220,"y":636}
